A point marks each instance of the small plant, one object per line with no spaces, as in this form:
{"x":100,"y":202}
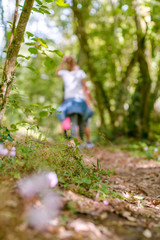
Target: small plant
{"x":5,"y":134}
{"x":66,"y":161}
{"x":140,"y":149}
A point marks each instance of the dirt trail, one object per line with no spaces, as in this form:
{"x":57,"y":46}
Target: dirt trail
{"x":136,"y":217}
{"x":138,"y":179}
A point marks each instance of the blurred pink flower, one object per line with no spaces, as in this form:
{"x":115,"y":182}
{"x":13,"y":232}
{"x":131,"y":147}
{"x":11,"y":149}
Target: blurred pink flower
{"x":38,"y":185}
{"x":1,"y":146}
{"x":3,"y":151}
{"x":53,"y":180}
{"x":106,"y":203}
{"x":12,"y":154}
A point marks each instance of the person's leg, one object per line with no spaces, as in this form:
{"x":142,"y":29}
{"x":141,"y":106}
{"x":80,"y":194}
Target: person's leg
{"x":87,"y":130}
{"x":88,"y":134}
{"x":74,"y":123}
{"x":65,"y":134}
{"x":81,"y":126}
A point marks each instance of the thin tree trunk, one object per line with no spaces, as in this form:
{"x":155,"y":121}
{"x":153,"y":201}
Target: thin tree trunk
{"x":14,"y":21}
{"x":124,"y":82}
{"x":101,"y":95}
{"x":157,"y":87}
{"x":144,"y":69}
{"x":12,"y":53}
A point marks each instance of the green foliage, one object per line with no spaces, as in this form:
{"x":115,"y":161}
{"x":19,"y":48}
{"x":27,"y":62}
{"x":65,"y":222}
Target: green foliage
{"x":66,"y":161}
{"x":33,"y":50}
{"x":111,"y":36}
{"x":143,"y":149}
{"x":61,"y":3}
{"x":5,"y":134}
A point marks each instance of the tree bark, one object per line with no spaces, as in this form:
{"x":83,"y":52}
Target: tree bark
{"x":14,"y":21}
{"x":124,"y":82}
{"x":144,"y":69}
{"x":101,"y":95}
{"x":12,"y":53}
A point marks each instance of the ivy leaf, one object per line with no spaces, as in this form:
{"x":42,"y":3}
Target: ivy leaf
{"x":33,"y":50}
{"x":61,"y":3}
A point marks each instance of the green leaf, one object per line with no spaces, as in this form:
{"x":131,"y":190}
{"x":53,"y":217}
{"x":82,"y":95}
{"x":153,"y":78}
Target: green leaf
{"x":42,"y":42}
{"x":43,"y":114}
{"x":48,"y":106}
{"x":61,"y":3}
{"x":10,"y":22}
{"x":22,"y":56}
{"x":13,"y":126}
{"x":49,"y":1}
{"x":86,"y":180}
{"x":34,"y":70}
{"x":30,"y":43}
{"x":36,"y":10}
{"x":16,"y":175}
{"x":29,"y":34}
{"x":60,"y":54}
{"x":36,"y":105}
{"x":33,"y":50}
{"x":39,"y":2}
{"x":49,"y":62}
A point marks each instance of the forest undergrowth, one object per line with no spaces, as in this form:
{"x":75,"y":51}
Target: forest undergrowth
{"x":109,"y":192}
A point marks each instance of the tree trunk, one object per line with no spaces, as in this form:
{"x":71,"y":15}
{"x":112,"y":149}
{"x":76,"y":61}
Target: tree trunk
{"x":101,"y":95}
{"x":144,"y":69}
{"x":124,"y":83}
{"x":12,"y":53}
{"x":145,"y":99}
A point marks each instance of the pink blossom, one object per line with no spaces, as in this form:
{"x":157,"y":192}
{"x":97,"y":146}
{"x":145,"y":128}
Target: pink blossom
{"x":53,"y":180}
{"x":12,"y":154}
{"x":3,"y":151}
{"x":30,"y":186}
{"x":13,"y":149}
{"x":1,"y":146}
{"x":106,"y":203}
{"x":39,"y":185}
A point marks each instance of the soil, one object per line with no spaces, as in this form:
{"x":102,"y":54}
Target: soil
{"x":136,"y":217}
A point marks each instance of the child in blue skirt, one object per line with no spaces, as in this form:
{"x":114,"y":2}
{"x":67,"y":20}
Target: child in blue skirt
{"x":76,"y":99}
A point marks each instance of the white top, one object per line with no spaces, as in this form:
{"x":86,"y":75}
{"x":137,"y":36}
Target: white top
{"x":72,"y":83}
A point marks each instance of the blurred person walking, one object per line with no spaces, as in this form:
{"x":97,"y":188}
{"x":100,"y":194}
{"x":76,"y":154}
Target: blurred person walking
{"x":76,"y":99}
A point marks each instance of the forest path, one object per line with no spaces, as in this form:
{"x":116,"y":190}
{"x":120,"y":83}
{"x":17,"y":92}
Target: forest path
{"x":138,"y":180}
{"x":136,"y":217}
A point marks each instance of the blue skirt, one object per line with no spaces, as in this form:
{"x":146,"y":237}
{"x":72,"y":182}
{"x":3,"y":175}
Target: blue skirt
{"x":74,"y":105}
